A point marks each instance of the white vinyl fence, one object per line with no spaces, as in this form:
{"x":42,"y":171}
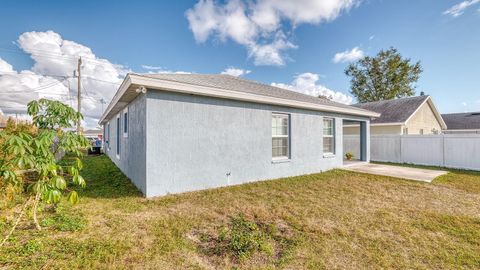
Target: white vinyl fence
{"x":446,"y":150}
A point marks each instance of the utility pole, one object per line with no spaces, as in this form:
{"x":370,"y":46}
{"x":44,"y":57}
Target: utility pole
{"x":79,"y":93}
{"x":102,"y":101}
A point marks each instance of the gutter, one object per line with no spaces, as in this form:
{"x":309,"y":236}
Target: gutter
{"x":171,"y":86}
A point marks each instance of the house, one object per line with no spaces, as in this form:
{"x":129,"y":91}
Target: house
{"x":93,"y":133}
{"x":3,"y":121}
{"x":172,"y":133}
{"x":403,"y":116}
{"x":462,"y":123}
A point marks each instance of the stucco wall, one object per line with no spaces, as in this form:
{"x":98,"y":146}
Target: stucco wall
{"x":424,"y":119}
{"x":132,"y":158}
{"x":196,"y":142}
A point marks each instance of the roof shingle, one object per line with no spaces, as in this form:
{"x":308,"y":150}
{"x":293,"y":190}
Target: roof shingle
{"x":469,"y":120}
{"x":233,"y":83}
{"x":395,"y":110}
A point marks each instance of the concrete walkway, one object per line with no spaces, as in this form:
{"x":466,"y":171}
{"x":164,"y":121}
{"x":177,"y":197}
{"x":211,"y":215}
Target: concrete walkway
{"x":409,"y":173}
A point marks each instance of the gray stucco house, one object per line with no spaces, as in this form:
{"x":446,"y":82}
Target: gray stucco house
{"x":172,"y":133}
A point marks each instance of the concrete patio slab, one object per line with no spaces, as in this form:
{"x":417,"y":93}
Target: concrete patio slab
{"x":416,"y":174}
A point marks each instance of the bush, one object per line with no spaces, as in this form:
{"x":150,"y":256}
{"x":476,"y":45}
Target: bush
{"x":243,"y":237}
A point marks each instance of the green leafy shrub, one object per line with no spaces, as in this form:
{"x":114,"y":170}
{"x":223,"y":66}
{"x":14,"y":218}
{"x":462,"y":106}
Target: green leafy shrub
{"x":349,"y":156}
{"x":243,"y":237}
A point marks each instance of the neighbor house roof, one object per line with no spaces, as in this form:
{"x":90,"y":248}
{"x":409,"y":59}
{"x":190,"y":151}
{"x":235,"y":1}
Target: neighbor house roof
{"x":223,"y":86}
{"x":469,"y":120}
{"x":398,"y":111}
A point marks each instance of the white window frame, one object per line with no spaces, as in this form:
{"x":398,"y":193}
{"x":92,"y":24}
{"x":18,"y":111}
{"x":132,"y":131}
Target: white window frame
{"x":126,"y":122}
{"x":287,"y":116}
{"x":108,"y":136}
{"x":118,"y":132}
{"x":333,"y":136}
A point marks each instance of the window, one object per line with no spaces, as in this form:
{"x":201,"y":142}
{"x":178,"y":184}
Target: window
{"x":118,"y":136}
{"x":328,"y":136}
{"x":405,"y":131}
{"x":108,"y":135}
{"x":280,"y":136}
{"x":125,"y":124}
{"x":421,"y":131}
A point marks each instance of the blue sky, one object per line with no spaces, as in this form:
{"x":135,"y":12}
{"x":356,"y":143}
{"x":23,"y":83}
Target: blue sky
{"x":159,"y":34}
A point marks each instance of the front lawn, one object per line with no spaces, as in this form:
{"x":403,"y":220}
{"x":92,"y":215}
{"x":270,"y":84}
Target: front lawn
{"x":337,"y":219}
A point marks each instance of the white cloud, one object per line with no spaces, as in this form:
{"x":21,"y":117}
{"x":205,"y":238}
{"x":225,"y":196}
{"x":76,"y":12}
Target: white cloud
{"x":53,"y":56}
{"x":237,"y":72}
{"x":348,"y":55}
{"x":460,"y":8}
{"x":464,"y":104}
{"x":151,"y":67}
{"x":257,"y":25}
{"x":306,"y":83}
{"x":371,"y":37}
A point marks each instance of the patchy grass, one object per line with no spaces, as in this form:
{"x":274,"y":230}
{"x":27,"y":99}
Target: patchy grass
{"x":336,"y":219}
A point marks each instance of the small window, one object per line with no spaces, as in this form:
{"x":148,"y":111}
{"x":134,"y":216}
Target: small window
{"x":421,"y":131}
{"x":125,"y":124}
{"x":108,"y":135}
{"x":405,"y":131}
{"x":280,"y":136}
{"x":118,"y":136}
{"x":328,"y":136}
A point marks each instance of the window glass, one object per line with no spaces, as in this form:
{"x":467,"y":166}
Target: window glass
{"x":280,"y":135}
{"x":328,"y":136}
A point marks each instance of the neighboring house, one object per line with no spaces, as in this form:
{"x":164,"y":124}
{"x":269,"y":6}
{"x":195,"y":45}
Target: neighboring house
{"x":3,"y":121}
{"x":93,"y":133}
{"x":462,"y":123}
{"x":402,"y":116}
{"x":172,"y":133}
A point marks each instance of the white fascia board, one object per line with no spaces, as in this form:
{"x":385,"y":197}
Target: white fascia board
{"x":229,"y":94}
{"x":121,"y":90}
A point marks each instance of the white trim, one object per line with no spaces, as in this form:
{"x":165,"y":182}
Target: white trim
{"x":158,"y":84}
{"x":125,"y":111}
{"x":333,"y":136}
{"x":117,"y":136}
{"x":287,"y":157}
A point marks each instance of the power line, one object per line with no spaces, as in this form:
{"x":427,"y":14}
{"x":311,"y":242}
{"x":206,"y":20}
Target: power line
{"x":59,"y":76}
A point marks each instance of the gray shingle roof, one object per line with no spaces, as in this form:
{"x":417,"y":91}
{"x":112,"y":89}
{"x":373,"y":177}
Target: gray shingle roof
{"x":469,"y":120}
{"x":229,"y":82}
{"x":395,"y":110}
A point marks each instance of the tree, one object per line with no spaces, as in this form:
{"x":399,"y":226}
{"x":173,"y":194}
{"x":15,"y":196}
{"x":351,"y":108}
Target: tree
{"x":383,"y":77}
{"x":28,"y":166}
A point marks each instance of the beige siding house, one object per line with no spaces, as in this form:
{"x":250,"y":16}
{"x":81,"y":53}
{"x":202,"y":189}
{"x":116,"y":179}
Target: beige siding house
{"x":413,"y":115}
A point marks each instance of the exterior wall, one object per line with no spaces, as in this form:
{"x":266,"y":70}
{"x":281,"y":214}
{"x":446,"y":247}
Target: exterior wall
{"x":132,"y":158}
{"x":197,"y":142}
{"x":355,"y":130}
{"x":424,"y":119}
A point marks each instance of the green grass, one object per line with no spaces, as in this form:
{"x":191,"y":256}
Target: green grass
{"x":337,"y":219}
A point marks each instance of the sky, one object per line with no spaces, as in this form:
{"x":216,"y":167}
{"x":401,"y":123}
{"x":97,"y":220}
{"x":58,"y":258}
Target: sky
{"x":301,"y":45}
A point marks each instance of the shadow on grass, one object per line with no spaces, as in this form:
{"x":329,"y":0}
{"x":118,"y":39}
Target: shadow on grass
{"x":105,"y":180}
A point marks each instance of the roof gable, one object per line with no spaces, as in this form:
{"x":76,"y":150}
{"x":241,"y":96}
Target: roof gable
{"x":395,"y":110}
